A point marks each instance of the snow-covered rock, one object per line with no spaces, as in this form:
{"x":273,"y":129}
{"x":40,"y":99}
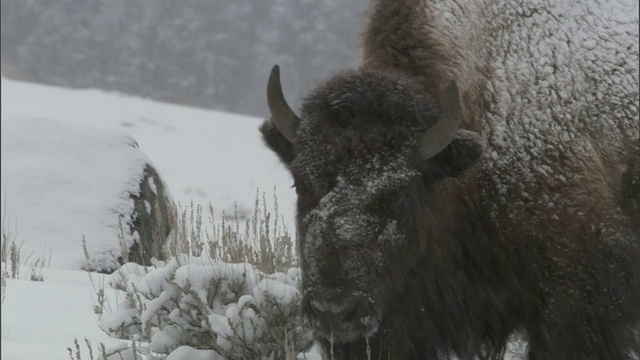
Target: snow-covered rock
{"x":63,"y":183}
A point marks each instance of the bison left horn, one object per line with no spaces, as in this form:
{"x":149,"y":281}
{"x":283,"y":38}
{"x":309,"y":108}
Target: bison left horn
{"x":281,"y":114}
{"x":436,"y":138}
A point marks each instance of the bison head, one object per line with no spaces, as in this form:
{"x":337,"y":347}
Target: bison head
{"x":363,"y":154}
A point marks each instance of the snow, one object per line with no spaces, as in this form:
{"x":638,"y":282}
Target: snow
{"x":278,"y":293}
{"x":186,"y":352}
{"x":41,"y":319}
{"x":76,"y":146}
{"x":152,"y":185}
{"x":63,"y":182}
{"x":203,"y":156}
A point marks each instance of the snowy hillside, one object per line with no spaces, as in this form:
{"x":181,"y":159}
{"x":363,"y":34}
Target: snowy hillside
{"x":204,"y":156}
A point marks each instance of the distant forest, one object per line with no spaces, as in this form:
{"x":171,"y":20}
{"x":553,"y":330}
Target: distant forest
{"x":208,"y":53}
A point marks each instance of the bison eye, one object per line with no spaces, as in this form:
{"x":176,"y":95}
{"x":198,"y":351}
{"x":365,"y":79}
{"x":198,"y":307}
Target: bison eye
{"x":298,"y":186}
{"x":301,"y":186}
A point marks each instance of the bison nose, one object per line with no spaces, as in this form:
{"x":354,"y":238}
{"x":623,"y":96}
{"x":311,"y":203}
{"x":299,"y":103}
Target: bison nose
{"x":331,"y":318}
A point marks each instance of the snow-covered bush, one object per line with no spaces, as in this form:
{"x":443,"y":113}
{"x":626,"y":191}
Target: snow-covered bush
{"x":227,"y":310}
{"x":230,"y":291}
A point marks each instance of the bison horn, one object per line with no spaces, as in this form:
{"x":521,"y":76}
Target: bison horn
{"x":281,"y":114}
{"x":436,"y":138}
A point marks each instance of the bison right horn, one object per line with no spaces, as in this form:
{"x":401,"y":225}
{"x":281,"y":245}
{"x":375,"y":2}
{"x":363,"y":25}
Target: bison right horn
{"x":436,"y":138}
{"x":281,"y":114}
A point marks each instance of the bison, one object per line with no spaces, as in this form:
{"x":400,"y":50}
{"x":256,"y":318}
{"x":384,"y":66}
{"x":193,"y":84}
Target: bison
{"x":475,"y":178}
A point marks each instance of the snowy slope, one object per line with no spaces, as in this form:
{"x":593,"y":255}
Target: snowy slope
{"x":40,"y":320}
{"x":204,"y":156}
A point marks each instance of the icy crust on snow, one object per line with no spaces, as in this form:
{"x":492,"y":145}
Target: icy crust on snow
{"x":562,"y":79}
{"x":194,"y":303}
{"x":63,"y":182}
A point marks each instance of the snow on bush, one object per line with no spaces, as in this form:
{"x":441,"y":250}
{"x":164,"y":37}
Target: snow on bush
{"x":195,"y":308}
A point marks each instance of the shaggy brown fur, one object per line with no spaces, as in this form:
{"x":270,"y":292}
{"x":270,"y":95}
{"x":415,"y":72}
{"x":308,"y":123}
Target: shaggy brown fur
{"x":534,"y":230}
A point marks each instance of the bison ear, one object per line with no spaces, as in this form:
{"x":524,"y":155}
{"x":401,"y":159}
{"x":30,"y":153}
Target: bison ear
{"x":277,"y":142}
{"x":464,"y":150}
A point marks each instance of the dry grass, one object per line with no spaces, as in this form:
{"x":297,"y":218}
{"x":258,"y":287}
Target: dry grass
{"x":261,"y":239}
{"x":10,"y":253}
{"x":5,"y":277}
{"x":76,"y":354}
{"x":13,"y":259}
{"x":37,"y":266}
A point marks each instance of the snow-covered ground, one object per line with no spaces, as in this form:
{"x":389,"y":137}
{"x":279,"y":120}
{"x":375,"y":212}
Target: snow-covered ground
{"x":40,"y":320}
{"x":204,"y":156}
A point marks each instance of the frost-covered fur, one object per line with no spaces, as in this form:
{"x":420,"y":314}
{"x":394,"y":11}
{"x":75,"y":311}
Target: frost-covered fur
{"x":534,"y":230}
